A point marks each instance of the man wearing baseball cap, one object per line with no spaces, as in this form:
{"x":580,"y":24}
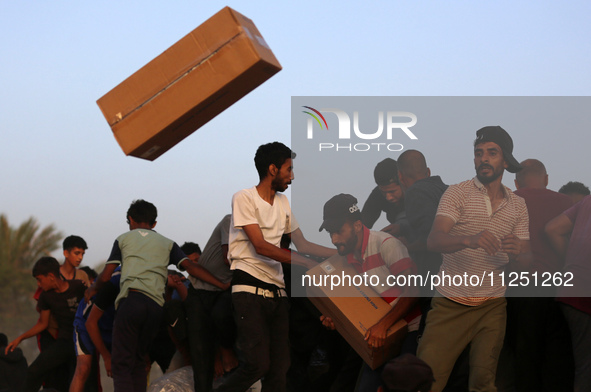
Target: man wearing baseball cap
{"x":373,"y":253}
{"x":480,"y":227}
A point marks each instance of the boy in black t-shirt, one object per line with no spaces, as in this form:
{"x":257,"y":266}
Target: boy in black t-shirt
{"x":59,"y":298}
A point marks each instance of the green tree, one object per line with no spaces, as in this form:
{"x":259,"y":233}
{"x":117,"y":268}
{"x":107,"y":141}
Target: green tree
{"x":20,"y":248}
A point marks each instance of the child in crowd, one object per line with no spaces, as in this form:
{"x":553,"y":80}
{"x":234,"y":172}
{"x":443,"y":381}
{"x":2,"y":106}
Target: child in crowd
{"x":59,"y":298}
{"x":93,"y":331}
{"x":90,"y":272}
{"x":144,"y":256}
{"x":74,"y":249}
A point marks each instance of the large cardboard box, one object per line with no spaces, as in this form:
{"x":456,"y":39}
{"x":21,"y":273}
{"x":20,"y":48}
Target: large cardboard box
{"x":354,"y":309}
{"x":189,"y":84}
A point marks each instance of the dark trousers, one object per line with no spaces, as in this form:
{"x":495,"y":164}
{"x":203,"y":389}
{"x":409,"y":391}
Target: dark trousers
{"x":136,"y":324}
{"x":209,"y":322}
{"x":59,"y":377}
{"x":579,"y":324}
{"x":538,"y":335}
{"x":54,"y":355}
{"x":263,"y":343}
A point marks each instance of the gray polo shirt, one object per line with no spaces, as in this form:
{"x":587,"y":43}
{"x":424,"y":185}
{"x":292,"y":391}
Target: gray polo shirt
{"x":212,"y":258}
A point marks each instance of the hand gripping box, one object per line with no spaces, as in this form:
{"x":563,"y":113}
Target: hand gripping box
{"x":353,"y":308}
{"x":189,"y":84}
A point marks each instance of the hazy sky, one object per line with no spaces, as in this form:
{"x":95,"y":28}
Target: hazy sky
{"x":61,"y":164}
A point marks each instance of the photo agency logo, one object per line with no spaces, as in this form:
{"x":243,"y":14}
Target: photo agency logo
{"x":388,"y":127}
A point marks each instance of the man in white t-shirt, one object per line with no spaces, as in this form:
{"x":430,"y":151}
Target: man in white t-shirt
{"x":260,"y":216}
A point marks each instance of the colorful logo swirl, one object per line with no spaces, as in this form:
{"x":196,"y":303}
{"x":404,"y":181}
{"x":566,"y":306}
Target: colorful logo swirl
{"x":316,"y":118}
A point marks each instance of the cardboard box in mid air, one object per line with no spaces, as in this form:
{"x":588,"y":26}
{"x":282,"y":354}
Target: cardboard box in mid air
{"x":193,"y":81}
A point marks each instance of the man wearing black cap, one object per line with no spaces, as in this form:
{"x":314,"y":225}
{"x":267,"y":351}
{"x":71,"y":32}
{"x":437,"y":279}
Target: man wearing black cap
{"x":374,"y":253}
{"x":480,"y":227}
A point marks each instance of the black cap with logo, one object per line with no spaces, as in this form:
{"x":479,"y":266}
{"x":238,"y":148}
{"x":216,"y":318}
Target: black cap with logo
{"x":338,"y":210}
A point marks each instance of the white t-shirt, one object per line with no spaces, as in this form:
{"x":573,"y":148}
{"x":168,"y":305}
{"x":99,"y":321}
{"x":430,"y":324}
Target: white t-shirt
{"x":274,"y":220}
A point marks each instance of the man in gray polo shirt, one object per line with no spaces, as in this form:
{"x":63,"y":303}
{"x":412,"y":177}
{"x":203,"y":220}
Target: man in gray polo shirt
{"x":210,"y":321}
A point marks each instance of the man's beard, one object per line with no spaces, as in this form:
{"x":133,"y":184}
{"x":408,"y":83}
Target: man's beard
{"x":278,"y":185}
{"x":490,"y":178}
{"x":347,"y":247}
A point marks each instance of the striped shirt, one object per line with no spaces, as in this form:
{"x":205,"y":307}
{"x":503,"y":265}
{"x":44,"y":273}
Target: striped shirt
{"x":469,"y":206}
{"x":383,"y":256}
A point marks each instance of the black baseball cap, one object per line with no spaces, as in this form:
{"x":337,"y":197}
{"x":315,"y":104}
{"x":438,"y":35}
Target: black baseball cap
{"x":338,"y":210}
{"x":499,"y":136}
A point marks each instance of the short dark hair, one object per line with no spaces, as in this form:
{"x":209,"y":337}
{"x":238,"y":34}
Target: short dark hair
{"x":45,"y":266}
{"x":74,"y":241}
{"x":142,"y":211}
{"x":386,"y":172}
{"x":574,"y":187}
{"x":190,"y":247}
{"x":271,"y":154}
{"x":90,"y":272}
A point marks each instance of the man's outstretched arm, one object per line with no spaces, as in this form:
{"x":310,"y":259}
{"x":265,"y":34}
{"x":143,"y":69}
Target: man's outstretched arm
{"x":305,"y":246}
{"x":265,"y":248}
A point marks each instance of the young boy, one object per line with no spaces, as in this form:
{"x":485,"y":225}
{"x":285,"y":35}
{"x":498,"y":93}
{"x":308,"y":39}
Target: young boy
{"x":93,"y":331}
{"x":74,"y":249}
{"x":144,"y":256}
{"x":59,"y":298}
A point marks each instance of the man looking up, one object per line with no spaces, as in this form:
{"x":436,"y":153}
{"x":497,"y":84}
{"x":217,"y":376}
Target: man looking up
{"x":480,"y":227}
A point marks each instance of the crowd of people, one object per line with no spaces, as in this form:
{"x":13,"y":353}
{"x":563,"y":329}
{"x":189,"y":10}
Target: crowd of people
{"x":234,"y":321}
